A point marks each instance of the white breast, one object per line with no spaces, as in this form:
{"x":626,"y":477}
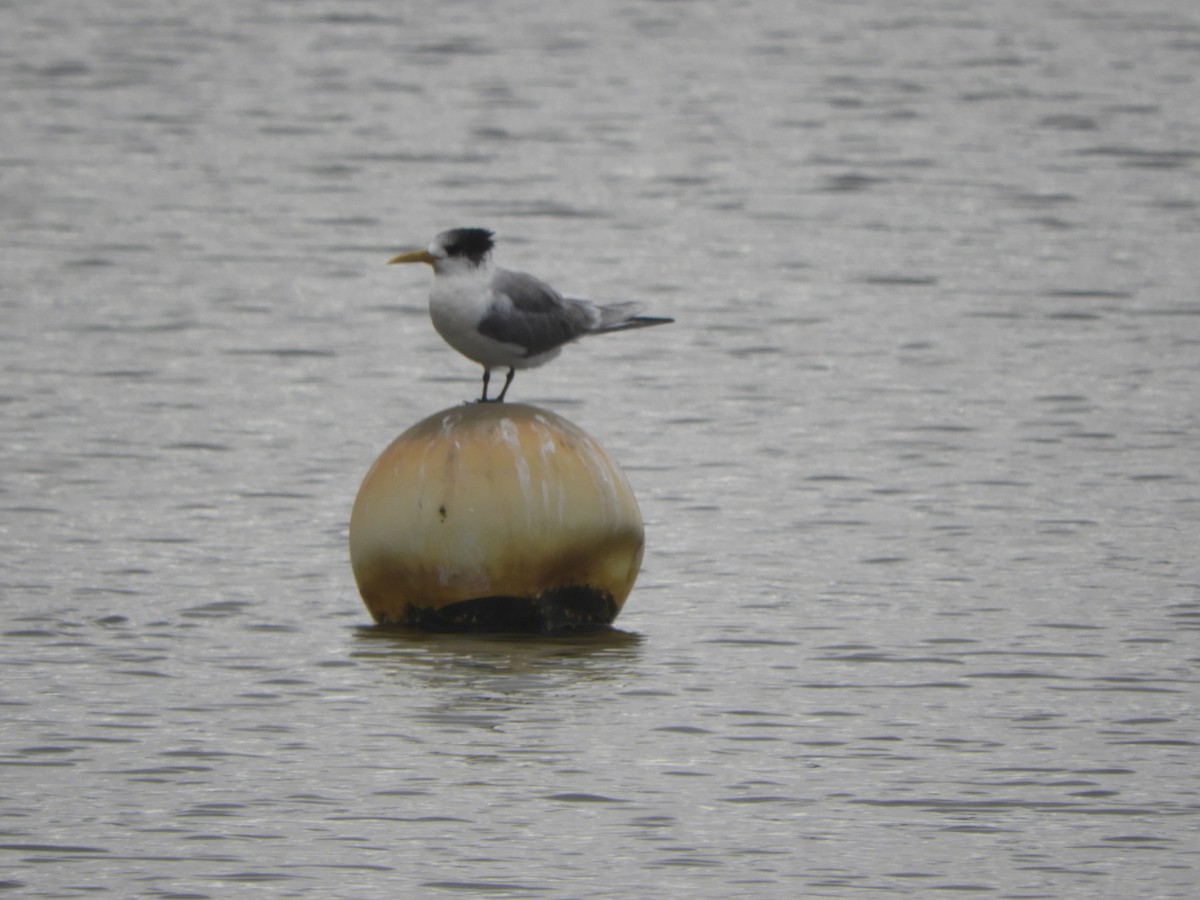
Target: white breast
{"x":458,"y":302}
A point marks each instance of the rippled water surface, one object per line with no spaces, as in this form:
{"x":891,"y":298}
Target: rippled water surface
{"x":919,"y":461}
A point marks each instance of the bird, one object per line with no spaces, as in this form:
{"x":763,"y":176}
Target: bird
{"x":505,"y":319}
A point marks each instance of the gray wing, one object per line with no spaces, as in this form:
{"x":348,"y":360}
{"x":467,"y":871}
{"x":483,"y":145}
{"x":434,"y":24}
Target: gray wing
{"x":529,"y":313}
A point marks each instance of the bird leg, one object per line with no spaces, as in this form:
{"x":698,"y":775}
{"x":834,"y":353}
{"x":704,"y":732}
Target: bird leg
{"x":507,"y":381}
{"x":487,"y":377}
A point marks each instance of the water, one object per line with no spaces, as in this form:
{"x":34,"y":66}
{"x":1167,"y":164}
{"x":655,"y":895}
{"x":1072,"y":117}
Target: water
{"x":918,"y":461}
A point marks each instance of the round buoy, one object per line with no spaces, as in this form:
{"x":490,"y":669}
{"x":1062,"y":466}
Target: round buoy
{"x":495,"y":517}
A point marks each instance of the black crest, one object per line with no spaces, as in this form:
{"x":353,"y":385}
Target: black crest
{"x":473,"y":243}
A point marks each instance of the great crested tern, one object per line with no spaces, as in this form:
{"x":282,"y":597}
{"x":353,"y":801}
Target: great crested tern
{"x":505,"y":319}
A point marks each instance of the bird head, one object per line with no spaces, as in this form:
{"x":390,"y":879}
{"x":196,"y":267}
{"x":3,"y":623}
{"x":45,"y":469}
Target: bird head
{"x":470,"y":246}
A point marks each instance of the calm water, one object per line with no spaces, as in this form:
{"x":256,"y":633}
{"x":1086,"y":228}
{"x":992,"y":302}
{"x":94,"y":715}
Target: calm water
{"x":919,"y":462}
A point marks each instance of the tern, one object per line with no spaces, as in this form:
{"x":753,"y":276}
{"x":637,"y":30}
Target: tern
{"x":505,"y":319}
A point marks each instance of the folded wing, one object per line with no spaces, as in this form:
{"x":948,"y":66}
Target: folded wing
{"x":529,"y":313}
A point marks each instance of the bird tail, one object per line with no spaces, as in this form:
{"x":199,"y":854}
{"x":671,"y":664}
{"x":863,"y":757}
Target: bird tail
{"x":624,"y":316}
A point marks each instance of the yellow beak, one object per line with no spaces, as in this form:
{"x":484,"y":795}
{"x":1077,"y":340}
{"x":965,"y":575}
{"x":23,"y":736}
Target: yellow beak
{"x":411,"y":256}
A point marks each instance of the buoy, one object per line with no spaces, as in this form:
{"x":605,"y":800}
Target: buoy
{"x":495,"y":517}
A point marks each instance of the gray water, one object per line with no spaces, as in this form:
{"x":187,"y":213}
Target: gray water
{"x":919,"y":461}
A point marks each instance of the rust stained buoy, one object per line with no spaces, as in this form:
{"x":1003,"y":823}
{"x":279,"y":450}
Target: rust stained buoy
{"x":495,"y":517}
